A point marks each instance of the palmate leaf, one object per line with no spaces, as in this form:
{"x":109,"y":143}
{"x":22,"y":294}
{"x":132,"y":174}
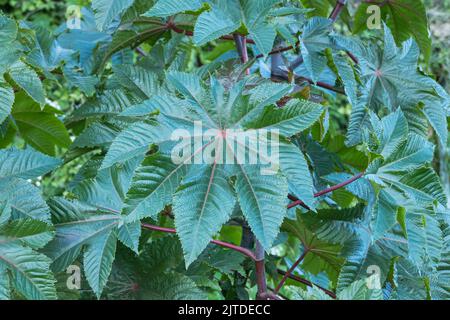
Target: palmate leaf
{"x":81,"y":226}
{"x":379,"y":254}
{"x":359,"y":119}
{"x":96,"y":222}
{"x":413,"y":153}
{"x":47,"y":53}
{"x":349,"y":231}
{"x":129,"y":234}
{"x":217,"y":110}
{"x":26,"y":232}
{"x":423,"y":186}
{"x":314,"y":40}
{"x":391,"y":78}
{"x":203,"y":203}
{"x":406,"y":170}
{"x":169,"y":285}
{"x":427,"y":282}
{"x":158,"y":272}
{"x":213,"y":24}
{"x":322,"y":256}
{"x":9,"y":29}
{"x":386,"y":213}
{"x":30,"y":271}
{"x":11,"y":47}
{"x":405,"y":18}
{"x":424,"y":236}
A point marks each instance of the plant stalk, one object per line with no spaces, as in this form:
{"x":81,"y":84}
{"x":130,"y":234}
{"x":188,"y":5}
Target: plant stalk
{"x":260,"y":271}
{"x":328,"y":190}
{"x":231,"y":246}
{"x":291,"y":269}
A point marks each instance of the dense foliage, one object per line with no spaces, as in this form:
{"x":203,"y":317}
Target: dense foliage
{"x":355,"y":208}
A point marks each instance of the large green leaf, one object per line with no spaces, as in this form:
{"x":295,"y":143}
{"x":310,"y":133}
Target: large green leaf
{"x":314,"y":40}
{"x":321,"y":256}
{"x":80,"y":226}
{"x":203,"y":203}
{"x":76,"y":225}
{"x":391,"y":79}
{"x":263,"y":202}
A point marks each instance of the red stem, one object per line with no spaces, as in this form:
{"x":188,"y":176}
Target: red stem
{"x":291,"y":269}
{"x":308,"y":283}
{"x":260,"y":271}
{"x":328,"y":190}
{"x":244,"y":251}
{"x":275,"y":51}
{"x":337,"y":9}
{"x":172,"y":26}
{"x":339,"y":185}
{"x":241,"y":46}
